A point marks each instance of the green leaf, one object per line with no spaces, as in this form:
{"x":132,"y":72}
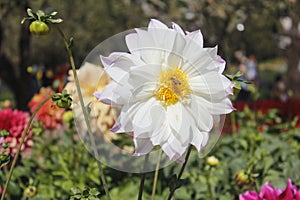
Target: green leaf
{"x":30,"y":13}
{"x":4,"y":133}
{"x":75,"y":190}
{"x":13,"y":188}
{"x":40,"y":14}
{"x":94,"y":191}
{"x":53,"y":13}
{"x":71,"y":42}
{"x":55,"y":21}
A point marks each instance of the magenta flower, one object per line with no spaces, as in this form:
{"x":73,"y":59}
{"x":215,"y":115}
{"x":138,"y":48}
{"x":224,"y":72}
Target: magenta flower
{"x":268,"y":192}
{"x":15,"y":122}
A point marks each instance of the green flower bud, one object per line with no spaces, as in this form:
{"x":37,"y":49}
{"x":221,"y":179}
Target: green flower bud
{"x":242,"y":178}
{"x":62,"y":100}
{"x":39,"y":28}
{"x":212,"y":161}
{"x":30,"y":191}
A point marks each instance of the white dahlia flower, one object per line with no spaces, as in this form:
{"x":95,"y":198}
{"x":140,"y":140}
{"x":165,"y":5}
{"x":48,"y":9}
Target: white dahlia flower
{"x":170,"y":88}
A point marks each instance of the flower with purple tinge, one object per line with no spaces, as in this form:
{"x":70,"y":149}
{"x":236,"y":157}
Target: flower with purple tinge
{"x":170,"y":88}
{"x":15,"y":122}
{"x":268,"y":192}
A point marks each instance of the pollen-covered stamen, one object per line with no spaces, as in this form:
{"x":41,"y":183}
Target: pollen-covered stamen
{"x":173,"y":86}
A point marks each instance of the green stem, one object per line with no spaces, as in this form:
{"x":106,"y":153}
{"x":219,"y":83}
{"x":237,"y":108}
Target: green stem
{"x":233,"y":122}
{"x":143,"y":176}
{"x":180,"y":172}
{"x":209,"y":186}
{"x":86,"y":117}
{"x":156,"y":175}
{"x":20,"y":145}
{"x":255,"y":187}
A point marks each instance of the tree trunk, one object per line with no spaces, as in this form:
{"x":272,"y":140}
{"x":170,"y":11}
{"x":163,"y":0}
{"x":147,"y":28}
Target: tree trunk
{"x":18,"y":81}
{"x":23,"y":93}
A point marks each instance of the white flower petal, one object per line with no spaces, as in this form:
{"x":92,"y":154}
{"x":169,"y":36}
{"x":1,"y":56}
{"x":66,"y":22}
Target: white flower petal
{"x":150,"y":54}
{"x":154,"y":23}
{"x":174,"y":59}
{"x":212,"y":85}
{"x":196,"y":36}
{"x":219,"y":63}
{"x":173,"y":148}
{"x":144,"y":120}
{"x":162,"y":133}
{"x":143,"y":93}
{"x":124,"y":121}
{"x":223,"y":106}
{"x":163,"y":40}
{"x":146,"y":73}
{"x":203,"y":119}
{"x":197,"y":138}
{"x":195,"y":60}
{"x":177,"y":28}
{"x":142,"y":146}
{"x":107,"y":95}
{"x":118,"y":64}
{"x":174,"y":116}
{"x":132,"y":44}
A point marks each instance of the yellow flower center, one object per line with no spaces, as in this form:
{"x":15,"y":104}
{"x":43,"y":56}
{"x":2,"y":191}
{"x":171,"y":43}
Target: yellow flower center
{"x":173,"y":86}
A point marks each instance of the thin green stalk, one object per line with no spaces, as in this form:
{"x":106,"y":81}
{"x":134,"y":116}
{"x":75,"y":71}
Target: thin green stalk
{"x":86,"y":118}
{"x":156,"y":175}
{"x":210,"y":193}
{"x":143,"y":176}
{"x":20,"y":145}
{"x":233,"y":122}
{"x":180,"y":172}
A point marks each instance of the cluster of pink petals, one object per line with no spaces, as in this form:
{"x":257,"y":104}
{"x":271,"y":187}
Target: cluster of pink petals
{"x":50,"y":114}
{"x":268,"y":192}
{"x":15,"y":122}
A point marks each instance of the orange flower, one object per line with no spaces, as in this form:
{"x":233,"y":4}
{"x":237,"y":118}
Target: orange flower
{"x":50,"y":114}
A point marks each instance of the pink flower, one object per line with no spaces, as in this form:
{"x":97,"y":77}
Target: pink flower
{"x":50,"y":114}
{"x":268,"y":192}
{"x":15,"y":122}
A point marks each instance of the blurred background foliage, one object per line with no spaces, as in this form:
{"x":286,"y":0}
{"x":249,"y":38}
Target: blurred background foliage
{"x":231,"y":24}
{"x":265,"y":149}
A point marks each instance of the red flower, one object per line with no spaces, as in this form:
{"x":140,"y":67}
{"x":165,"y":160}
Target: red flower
{"x":15,"y":122}
{"x":50,"y":114}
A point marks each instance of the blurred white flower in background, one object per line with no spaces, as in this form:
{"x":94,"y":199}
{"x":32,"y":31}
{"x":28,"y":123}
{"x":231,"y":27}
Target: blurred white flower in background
{"x":92,"y":78}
